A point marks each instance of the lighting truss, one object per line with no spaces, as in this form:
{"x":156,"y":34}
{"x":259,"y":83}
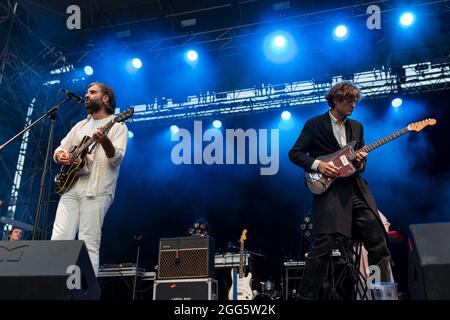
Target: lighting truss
{"x":376,"y":83}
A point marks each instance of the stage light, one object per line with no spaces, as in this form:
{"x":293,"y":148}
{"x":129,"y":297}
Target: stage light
{"x":88,"y":70}
{"x":137,"y":63}
{"x":285,"y":115}
{"x":200,"y":227}
{"x":279,"y":41}
{"x":269,"y":287}
{"x":397,"y":102}
{"x":306,"y":228}
{"x":279,"y":47}
{"x":341,"y":32}
{"x":130,"y":134}
{"x":192,"y":55}
{"x":217,"y":124}
{"x":407,"y":19}
{"x":174,"y":128}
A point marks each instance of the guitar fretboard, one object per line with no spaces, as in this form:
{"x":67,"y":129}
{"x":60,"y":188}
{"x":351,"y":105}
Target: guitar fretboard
{"x":91,"y":140}
{"x":381,"y":141}
{"x":241,"y":261}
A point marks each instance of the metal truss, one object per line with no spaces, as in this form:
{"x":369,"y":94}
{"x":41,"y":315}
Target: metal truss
{"x":234,"y":38}
{"x":21,"y":97}
{"x":376,"y":83}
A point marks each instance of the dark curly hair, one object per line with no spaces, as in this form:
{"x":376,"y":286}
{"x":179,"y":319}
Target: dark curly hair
{"x":342,"y":91}
{"x":108,"y":91}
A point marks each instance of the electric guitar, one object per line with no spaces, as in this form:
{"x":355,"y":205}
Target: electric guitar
{"x":67,"y":176}
{"x":342,"y":159}
{"x":241,"y":289}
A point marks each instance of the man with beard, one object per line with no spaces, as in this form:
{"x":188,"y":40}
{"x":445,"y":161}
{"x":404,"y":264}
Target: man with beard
{"x":82,"y":208}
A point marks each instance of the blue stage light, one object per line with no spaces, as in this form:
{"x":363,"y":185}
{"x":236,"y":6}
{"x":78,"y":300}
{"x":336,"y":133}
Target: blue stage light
{"x":88,"y":70}
{"x":217,"y":124}
{"x":341,"y":32}
{"x":279,"y":47}
{"x":407,"y":19}
{"x":137,"y":63}
{"x":279,"y":41}
{"x":285,"y":115}
{"x":192,"y":55}
{"x":174,"y":128}
{"x":397,"y":102}
{"x":130,"y":134}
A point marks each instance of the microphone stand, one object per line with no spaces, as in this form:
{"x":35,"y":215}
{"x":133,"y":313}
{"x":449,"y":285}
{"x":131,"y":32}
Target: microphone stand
{"x":42,"y":232}
{"x":138,"y":239}
{"x":51,"y":115}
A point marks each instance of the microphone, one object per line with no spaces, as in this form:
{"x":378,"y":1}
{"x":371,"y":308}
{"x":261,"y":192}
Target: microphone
{"x":72,"y":96}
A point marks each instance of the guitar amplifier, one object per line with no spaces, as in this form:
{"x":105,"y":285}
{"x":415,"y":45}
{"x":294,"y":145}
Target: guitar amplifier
{"x":186,"y":257}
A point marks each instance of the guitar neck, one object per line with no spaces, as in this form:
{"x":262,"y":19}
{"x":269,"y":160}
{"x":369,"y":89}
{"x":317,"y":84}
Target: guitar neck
{"x":91,"y":140}
{"x":241,"y":261}
{"x":384,"y":140}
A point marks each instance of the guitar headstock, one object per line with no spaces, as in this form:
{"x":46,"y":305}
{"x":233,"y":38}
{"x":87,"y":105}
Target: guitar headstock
{"x":243,"y":236}
{"x":417,"y":126}
{"x":124,"y":115}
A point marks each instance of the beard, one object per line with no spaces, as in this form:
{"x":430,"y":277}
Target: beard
{"x":94,"y":106}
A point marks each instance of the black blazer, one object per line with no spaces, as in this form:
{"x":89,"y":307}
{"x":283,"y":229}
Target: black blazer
{"x":332,"y":210}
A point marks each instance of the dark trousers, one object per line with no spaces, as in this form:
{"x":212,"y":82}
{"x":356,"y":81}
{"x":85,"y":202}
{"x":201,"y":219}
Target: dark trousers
{"x":366,"y":228}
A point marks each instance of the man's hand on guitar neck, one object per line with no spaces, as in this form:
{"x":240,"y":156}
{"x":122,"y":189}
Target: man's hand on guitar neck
{"x":360,"y":160}
{"x":105,"y":142}
{"x":360,"y":156}
{"x":63,"y":158}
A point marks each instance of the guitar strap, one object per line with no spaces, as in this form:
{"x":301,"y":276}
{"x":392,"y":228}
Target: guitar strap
{"x":352,"y":133}
{"x":353,"y":137}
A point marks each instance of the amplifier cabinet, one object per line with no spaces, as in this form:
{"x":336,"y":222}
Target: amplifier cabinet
{"x":186,"y":258}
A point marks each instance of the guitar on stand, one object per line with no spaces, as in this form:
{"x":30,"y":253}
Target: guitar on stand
{"x":67,"y":176}
{"x":241,"y":289}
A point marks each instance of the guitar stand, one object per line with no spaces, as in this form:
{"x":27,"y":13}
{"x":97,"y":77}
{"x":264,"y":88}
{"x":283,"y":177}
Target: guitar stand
{"x":138,"y":240}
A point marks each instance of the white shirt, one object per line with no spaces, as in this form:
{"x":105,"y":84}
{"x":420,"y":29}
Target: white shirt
{"x":103,"y":171}
{"x":339,"y":130}
{"x":339,"y":134}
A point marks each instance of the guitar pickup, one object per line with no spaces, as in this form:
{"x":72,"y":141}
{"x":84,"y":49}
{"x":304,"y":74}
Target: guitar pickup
{"x":344,"y":160}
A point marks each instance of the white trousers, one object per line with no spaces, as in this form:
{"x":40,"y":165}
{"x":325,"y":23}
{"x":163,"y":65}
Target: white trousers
{"x":78,"y":213}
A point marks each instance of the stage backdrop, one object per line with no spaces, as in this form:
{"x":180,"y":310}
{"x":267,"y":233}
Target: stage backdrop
{"x":156,"y":198}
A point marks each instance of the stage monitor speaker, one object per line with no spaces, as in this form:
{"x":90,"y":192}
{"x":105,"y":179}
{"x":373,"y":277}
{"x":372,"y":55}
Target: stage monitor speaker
{"x":186,"y":257}
{"x":429,"y":261}
{"x":46,"y":270}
